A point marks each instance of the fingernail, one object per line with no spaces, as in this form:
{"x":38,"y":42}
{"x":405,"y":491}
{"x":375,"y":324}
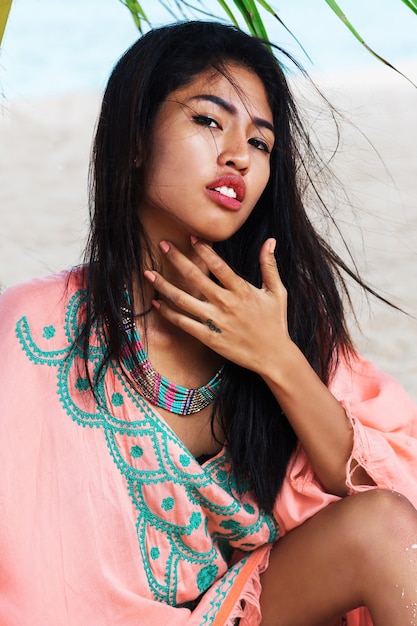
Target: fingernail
{"x":156,"y":304}
{"x":164,"y":246}
{"x":149,"y":276}
{"x":272,"y":245}
{"x":193,"y":239}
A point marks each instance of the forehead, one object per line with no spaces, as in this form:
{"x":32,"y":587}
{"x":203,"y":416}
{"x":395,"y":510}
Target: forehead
{"x":238,"y":85}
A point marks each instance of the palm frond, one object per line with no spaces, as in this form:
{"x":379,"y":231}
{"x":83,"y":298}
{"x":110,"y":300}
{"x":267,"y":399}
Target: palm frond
{"x":137,"y":12}
{"x":228,"y":12}
{"x":4,"y":14}
{"x":411,"y":4}
{"x":248,"y":10}
{"x":341,"y":15}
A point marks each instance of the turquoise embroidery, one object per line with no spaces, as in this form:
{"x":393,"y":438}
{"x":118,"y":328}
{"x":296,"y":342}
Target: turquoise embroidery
{"x":206,"y":577}
{"x":82,"y":384}
{"x":222,"y":476}
{"x":230,"y":524}
{"x":155,"y":552}
{"x":195,"y":520}
{"x":222,"y":588}
{"x":162,"y":462}
{"x":49,"y":332}
{"x":168,"y":504}
{"x":117,"y":399}
{"x":136,"y":452}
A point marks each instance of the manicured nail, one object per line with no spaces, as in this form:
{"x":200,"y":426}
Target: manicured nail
{"x":164,"y":245}
{"x":193,"y":240}
{"x":149,"y":276}
{"x":272,"y":245}
{"x":156,"y":304}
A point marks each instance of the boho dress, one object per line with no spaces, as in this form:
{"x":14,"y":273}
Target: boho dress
{"x":107,"y":519}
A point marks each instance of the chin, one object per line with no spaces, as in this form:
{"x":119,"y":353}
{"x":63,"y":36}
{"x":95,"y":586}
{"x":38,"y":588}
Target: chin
{"x":217,"y":235}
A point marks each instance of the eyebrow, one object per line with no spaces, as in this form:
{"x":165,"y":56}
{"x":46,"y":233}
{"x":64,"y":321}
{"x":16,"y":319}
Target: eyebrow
{"x":230,"y":108}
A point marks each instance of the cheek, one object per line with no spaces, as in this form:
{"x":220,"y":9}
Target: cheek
{"x":262,"y":178}
{"x":177,"y":158}
{"x":163,"y":168}
{"x":267,"y":175}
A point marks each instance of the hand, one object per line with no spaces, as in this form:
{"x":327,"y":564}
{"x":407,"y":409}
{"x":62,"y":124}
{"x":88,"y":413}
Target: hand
{"x":252,"y":331}
{"x":242,"y":323}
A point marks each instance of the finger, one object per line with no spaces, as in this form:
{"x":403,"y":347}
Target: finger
{"x":217,"y":266}
{"x":205,"y":331}
{"x":271,"y":280}
{"x":179,"y":298}
{"x":190,"y":271}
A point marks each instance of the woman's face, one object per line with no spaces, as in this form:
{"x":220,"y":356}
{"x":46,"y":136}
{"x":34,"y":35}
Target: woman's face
{"x":210,"y":157}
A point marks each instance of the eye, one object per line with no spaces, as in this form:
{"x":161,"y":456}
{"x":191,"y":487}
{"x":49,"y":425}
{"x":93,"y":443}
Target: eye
{"x":259,"y":145}
{"x":205,"y":120}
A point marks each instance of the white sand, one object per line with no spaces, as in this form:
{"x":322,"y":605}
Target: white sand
{"x":44,"y":153}
{"x":44,"y":150}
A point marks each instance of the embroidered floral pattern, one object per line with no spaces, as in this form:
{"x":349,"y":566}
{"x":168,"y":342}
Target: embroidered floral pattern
{"x":154,"y":553}
{"x":168,"y":504}
{"x":136,"y":452}
{"x":196,"y":537}
{"x":206,"y":577}
{"x":49,"y":332}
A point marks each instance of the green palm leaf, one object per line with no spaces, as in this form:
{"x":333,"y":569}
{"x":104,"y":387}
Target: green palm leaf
{"x":4,"y":14}
{"x":136,"y":11}
{"x":248,"y":10}
{"x":341,"y":15}
{"x":411,"y":4}
{"x":228,"y":12}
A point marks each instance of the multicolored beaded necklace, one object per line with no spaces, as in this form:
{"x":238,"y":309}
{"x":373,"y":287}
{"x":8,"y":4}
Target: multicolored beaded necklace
{"x":158,"y":389}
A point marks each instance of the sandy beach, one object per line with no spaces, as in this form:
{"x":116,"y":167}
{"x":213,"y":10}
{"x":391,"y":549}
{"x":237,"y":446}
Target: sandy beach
{"x":44,"y":152}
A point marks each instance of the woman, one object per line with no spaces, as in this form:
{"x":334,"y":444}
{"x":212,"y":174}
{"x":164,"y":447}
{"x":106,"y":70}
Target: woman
{"x":189,"y":501}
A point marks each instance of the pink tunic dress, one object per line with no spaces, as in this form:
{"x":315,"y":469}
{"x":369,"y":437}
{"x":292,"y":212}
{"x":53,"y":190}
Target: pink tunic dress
{"x":106,"y":519}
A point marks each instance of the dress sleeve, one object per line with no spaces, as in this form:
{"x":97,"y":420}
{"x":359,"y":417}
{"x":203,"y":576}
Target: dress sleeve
{"x":384,"y":420}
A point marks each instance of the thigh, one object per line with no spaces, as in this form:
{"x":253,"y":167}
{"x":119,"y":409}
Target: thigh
{"x":312,"y":575}
{"x":358,"y":551}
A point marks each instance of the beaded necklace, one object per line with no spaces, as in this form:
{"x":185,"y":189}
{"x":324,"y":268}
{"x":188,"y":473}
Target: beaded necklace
{"x":158,"y":389}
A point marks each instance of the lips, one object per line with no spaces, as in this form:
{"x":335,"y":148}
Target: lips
{"x":228,"y":191}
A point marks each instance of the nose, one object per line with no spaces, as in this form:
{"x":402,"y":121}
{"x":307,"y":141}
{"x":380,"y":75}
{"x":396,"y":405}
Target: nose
{"x":235,"y":153}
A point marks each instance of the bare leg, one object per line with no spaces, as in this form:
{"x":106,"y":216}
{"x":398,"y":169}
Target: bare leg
{"x":359,"y":551}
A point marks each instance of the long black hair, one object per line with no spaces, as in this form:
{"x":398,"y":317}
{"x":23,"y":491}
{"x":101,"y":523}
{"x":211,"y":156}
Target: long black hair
{"x":260,"y":438}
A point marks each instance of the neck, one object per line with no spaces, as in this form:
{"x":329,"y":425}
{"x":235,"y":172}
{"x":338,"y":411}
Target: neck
{"x":173,"y":353}
{"x":166,"y":228}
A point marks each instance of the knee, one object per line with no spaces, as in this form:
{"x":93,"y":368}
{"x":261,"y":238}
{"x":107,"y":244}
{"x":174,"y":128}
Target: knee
{"x":386,"y":506}
{"x":377,"y":517}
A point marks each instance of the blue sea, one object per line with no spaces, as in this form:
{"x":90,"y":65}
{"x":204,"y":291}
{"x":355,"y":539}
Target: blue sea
{"x":58,"y":47}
